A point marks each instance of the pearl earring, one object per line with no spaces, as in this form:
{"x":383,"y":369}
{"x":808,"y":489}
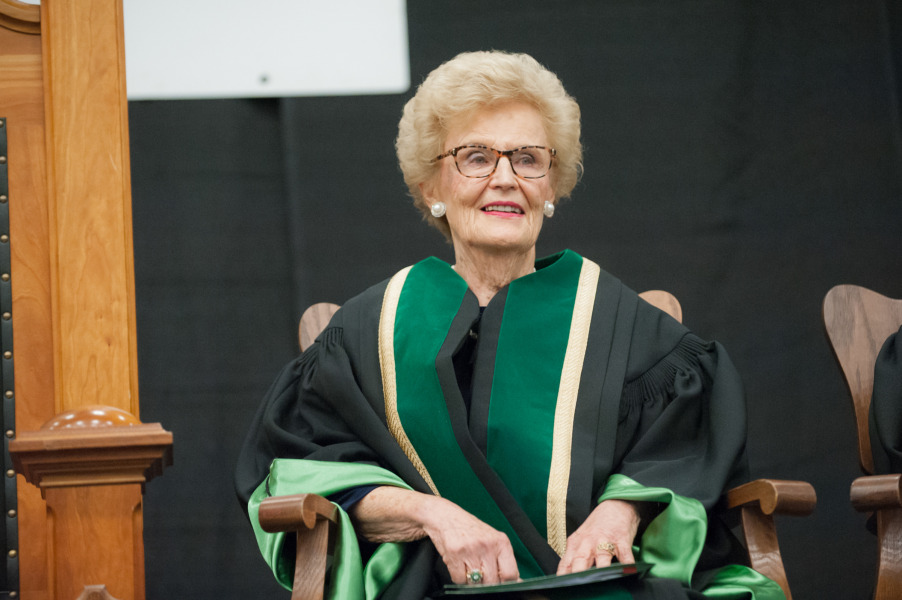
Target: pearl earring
{"x":437,"y":209}
{"x":549,"y":209}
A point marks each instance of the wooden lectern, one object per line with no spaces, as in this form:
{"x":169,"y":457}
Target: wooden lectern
{"x":71,"y":391}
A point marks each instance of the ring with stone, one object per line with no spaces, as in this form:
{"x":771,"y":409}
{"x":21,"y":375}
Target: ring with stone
{"x":607,"y":547}
{"x":474,"y":576}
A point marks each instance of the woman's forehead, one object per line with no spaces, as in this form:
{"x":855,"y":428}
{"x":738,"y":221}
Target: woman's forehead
{"x":509,"y":124}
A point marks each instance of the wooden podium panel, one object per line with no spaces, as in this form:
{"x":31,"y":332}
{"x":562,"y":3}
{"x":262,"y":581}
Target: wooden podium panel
{"x":91,"y":465}
{"x":69,"y":509}
{"x":63,"y":103}
{"x":22,"y":108}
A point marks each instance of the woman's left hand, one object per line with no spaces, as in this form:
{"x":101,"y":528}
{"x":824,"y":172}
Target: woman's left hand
{"x":612,"y":523}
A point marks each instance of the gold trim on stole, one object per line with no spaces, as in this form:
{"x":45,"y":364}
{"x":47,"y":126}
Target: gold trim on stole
{"x":387,"y":365}
{"x":559,"y":477}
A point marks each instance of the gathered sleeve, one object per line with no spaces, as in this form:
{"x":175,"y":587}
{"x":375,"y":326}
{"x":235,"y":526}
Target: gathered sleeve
{"x":295,"y":419}
{"x":682,"y":422}
{"x":327,"y":405}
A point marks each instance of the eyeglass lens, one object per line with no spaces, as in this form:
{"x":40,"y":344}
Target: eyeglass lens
{"x":479,"y":161}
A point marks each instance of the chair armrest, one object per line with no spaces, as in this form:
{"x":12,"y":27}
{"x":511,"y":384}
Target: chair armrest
{"x":876,"y":492}
{"x":775,"y":496}
{"x":758,"y":501}
{"x":882,"y":495}
{"x":289,"y":513}
{"x":312,"y":518}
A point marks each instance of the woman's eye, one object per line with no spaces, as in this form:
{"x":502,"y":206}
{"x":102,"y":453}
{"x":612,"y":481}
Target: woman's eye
{"x":525,"y":159}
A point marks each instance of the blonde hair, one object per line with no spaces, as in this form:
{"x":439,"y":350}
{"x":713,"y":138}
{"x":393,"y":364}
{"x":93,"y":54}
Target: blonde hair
{"x":471,"y":81}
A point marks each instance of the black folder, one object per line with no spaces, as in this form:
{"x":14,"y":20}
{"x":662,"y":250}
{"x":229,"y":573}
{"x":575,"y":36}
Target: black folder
{"x":572,"y":585}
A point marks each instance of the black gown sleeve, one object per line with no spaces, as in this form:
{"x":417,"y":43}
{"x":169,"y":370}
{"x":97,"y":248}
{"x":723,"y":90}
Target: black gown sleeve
{"x":682,"y":423}
{"x":327,"y":405}
{"x":295,"y":420}
{"x":886,"y":407}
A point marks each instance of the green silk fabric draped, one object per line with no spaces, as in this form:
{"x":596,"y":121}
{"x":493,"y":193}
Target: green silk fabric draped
{"x":349,"y":578}
{"x":672,"y":542}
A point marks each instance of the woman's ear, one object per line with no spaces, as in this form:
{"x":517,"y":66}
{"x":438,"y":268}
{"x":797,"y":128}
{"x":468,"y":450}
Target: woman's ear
{"x":427,"y":189}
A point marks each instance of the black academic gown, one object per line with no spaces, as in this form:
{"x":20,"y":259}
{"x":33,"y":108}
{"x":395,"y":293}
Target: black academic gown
{"x":677,"y":419}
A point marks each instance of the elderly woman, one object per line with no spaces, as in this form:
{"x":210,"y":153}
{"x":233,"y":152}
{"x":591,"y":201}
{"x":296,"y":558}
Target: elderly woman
{"x":504,"y":417}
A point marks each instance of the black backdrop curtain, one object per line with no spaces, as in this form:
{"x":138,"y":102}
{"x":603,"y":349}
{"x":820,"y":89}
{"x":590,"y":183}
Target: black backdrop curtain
{"x":743,"y":155}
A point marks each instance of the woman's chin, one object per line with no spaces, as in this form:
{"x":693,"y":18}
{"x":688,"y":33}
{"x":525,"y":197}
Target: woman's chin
{"x":504,"y":245}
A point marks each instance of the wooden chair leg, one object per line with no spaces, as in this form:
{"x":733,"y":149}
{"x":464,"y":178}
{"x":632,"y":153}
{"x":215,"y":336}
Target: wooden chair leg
{"x":758,"y":500}
{"x":310,"y":565}
{"x":763,"y":546}
{"x":889,"y":567}
{"x":882,"y":495}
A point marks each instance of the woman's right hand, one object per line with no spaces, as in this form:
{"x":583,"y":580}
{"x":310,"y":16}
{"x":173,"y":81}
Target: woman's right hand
{"x":464,"y":542}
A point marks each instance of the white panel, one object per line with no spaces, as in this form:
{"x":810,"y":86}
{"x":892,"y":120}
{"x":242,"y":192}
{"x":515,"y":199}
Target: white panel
{"x":254,"y":48}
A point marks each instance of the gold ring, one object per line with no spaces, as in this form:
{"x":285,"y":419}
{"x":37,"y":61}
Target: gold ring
{"x":474,"y":576}
{"x":607,"y":547}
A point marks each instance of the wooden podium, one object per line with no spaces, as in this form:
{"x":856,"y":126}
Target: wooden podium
{"x":91,"y":465}
{"x":81,"y":469}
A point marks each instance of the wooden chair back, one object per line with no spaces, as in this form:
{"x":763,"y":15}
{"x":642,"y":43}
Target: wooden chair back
{"x":317,"y":316}
{"x":664,"y":301}
{"x":313,"y":321}
{"x":858,"y":321}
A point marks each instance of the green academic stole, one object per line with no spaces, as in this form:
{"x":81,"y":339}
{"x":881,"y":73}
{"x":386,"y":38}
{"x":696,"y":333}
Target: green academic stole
{"x":538,"y":364}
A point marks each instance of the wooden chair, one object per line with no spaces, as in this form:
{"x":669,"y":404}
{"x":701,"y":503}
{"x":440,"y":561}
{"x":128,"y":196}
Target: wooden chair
{"x":310,"y":517}
{"x":858,"y":321}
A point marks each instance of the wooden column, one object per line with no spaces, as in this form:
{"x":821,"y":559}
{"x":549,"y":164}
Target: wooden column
{"x":89,"y":195}
{"x":62,"y":95}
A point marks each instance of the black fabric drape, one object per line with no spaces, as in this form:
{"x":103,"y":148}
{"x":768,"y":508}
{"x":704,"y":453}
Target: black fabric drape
{"x":885,"y":415}
{"x":742,"y":155}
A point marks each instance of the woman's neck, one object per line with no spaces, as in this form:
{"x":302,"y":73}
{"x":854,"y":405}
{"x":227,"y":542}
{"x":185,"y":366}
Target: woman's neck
{"x":488,"y":272}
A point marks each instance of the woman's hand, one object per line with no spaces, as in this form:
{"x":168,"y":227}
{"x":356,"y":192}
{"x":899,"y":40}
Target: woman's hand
{"x":609,"y":531}
{"x":466,"y":544}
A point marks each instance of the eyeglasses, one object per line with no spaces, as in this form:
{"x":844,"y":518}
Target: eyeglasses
{"x":527,"y":162}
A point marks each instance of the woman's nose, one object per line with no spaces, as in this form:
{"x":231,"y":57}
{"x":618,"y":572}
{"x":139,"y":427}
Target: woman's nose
{"x":504,"y":172}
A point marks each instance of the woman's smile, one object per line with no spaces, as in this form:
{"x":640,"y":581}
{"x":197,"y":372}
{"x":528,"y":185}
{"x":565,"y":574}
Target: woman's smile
{"x":503,"y":209}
